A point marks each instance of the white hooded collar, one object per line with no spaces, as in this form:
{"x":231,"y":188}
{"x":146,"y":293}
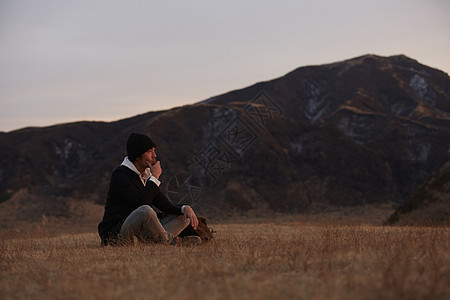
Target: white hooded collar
{"x":147,"y":174}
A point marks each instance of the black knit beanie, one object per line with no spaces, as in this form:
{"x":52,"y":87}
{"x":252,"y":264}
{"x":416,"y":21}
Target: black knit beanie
{"x":138,"y":144}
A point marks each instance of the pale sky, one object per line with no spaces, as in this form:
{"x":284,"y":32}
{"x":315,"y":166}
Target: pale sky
{"x":104,"y":60}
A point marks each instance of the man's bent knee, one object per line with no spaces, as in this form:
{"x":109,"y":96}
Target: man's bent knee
{"x":148,"y":211}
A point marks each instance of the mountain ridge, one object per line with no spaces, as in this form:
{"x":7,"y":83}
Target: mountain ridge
{"x":365,"y":130}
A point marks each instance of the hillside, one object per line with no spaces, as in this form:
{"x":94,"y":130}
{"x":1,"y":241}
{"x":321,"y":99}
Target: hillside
{"x":366,"y":130}
{"x":429,"y":204}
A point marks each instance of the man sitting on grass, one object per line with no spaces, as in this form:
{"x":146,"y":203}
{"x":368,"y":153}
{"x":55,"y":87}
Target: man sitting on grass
{"x":133,"y":190}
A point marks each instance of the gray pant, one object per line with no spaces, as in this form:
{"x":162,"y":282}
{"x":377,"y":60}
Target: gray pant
{"x":144,"y":224}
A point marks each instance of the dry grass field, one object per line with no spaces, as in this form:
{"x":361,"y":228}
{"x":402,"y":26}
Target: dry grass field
{"x":279,"y":260}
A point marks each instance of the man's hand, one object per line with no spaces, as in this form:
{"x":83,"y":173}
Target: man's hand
{"x":155,"y":169}
{"x":189,"y":213}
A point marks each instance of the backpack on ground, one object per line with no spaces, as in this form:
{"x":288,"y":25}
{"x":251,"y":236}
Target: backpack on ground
{"x":202,"y":231}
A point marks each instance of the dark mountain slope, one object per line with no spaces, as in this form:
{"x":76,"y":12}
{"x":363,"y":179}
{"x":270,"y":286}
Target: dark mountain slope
{"x":429,"y":204}
{"x":369,"y":129}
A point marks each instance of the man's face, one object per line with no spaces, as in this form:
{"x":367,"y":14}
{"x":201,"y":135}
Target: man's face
{"x":147,"y":158}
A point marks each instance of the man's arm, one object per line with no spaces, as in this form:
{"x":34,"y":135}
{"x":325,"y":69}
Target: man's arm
{"x":165,"y":205}
{"x":189,"y":213}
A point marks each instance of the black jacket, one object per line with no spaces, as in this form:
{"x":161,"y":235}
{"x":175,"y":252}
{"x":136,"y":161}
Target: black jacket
{"x":126,"y":193}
